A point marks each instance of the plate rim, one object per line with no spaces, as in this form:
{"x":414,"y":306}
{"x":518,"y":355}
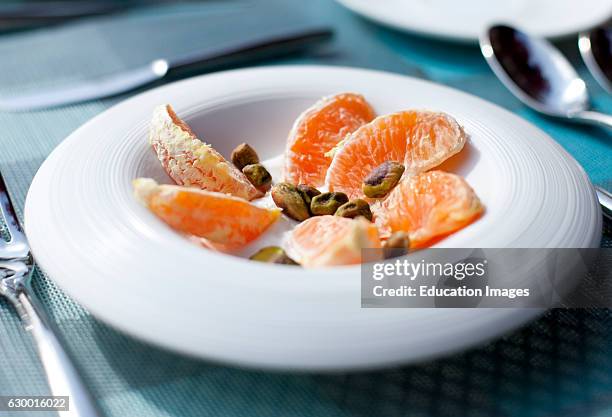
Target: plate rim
{"x":359,"y":7}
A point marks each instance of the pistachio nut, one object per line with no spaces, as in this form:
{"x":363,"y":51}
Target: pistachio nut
{"x":308,"y":193}
{"x":244,"y":155}
{"x":327,"y":203}
{"x":287,"y":197}
{"x":382,"y":179}
{"x":355,"y":208}
{"x":274,"y":255}
{"x":398,"y":244}
{"x":259,"y":176}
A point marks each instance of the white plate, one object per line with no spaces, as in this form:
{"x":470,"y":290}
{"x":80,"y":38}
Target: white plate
{"x":464,"y":20}
{"x":118,"y":260}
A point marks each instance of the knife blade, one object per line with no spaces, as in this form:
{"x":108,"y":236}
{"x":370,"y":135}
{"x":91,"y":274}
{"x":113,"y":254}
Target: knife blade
{"x":114,"y":84}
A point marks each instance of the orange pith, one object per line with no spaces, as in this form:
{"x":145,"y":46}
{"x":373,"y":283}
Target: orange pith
{"x":220,"y":218}
{"x":317,"y":131}
{"x":427,"y":206}
{"x":331,"y":240}
{"x":420,"y":140}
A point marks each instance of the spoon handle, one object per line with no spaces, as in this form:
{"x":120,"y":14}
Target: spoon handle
{"x":605,"y":199}
{"x":593,"y":117}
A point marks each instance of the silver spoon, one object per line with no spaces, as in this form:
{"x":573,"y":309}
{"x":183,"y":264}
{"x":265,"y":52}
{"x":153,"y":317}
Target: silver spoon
{"x":539,"y":75}
{"x":605,"y":200}
{"x":596,"y":50}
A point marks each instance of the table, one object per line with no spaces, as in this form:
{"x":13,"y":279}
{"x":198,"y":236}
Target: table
{"x":559,"y":365}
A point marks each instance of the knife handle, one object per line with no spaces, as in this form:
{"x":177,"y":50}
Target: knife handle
{"x":249,"y":51}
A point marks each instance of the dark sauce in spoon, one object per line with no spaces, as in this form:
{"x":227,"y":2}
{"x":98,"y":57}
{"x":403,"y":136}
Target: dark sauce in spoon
{"x":514,"y":55}
{"x":601,"y":47}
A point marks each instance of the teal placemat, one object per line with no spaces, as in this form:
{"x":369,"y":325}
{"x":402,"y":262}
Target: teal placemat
{"x":560,"y":365}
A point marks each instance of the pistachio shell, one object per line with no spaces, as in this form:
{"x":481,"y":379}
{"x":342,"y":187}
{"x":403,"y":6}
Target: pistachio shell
{"x":259,"y":176}
{"x":382,"y":179}
{"x":244,"y":155}
{"x":327,"y":203}
{"x":355,"y":208}
{"x":287,"y":197}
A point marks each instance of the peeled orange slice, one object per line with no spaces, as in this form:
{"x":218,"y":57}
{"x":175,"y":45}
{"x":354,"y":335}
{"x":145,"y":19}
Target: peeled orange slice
{"x":317,"y":131}
{"x":220,"y":218}
{"x":331,"y":240}
{"x":427,"y":206}
{"x":420,"y":140}
{"x":191,"y":162}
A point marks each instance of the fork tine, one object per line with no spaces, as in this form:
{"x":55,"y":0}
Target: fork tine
{"x":17,"y":247}
{"x":8,"y":211}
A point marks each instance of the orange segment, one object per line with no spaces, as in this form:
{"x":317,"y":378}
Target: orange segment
{"x":331,"y":240}
{"x":217,"y":217}
{"x":317,"y":131}
{"x":420,"y":140}
{"x":427,"y":206}
{"x":191,"y":162}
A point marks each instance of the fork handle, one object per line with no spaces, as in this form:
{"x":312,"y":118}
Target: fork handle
{"x":62,"y":376}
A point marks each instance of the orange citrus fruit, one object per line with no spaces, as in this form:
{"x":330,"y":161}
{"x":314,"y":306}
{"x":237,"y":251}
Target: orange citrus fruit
{"x":191,"y":162}
{"x":427,"y":206}
{"x":220,"y":218}
{"x":331,"y":240}
{"x":317,"y":131}
{"x":420,"y":140}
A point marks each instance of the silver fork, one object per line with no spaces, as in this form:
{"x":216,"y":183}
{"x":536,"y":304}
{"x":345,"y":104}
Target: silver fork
{"x":16,"y":265}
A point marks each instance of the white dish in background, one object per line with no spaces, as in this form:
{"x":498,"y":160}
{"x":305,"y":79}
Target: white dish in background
{"x":117,"y":259}
{"x":463,"y":21}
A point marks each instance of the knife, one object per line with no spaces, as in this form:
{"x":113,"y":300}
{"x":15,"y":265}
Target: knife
{"x":111,"y":85}
{"x":36,"y":13}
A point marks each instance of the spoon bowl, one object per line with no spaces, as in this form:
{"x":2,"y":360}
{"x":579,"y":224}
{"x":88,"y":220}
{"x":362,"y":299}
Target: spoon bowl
{"x":538,"y":74}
